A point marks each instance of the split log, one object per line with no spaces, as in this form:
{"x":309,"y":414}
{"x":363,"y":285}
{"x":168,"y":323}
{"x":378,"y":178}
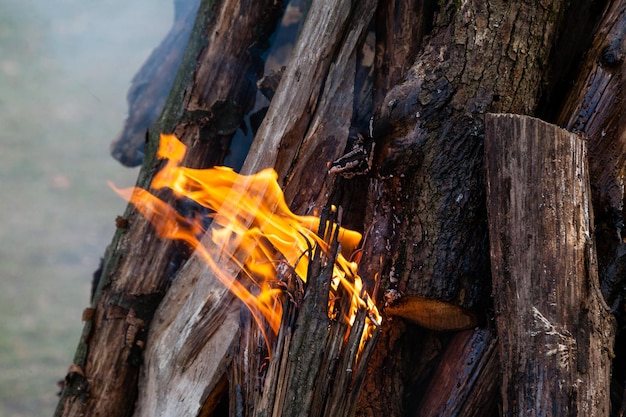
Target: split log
{"x":595,"y":108}
{"x":555,"y":330}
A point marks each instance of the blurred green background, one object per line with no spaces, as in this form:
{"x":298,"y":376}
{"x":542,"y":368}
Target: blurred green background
{"x":65,"y":67}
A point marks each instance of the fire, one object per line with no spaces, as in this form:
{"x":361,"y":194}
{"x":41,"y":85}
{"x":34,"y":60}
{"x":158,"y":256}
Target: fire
{"x":251,"y":225}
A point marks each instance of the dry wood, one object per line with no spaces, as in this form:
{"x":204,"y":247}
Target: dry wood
{"x":139,"y":265}
{"x":316,"y":371}
{"x":193,"y":295}
{"x":300,"y":143}
{"x":555,"y":330}
{"x":426,"y":233}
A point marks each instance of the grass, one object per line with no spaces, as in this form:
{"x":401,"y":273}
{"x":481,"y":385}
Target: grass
{"x":65,"y":66}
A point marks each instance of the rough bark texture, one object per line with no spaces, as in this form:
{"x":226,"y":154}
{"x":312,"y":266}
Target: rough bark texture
{"x":555,"y":330}
{"x":152,"y":84}
{"x":430,"y":130}
{"x":205,"y":109}
{"x":427,"y":217}
{"x":427,"y":72}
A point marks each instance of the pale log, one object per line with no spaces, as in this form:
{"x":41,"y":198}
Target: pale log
{"x":555,"y":331}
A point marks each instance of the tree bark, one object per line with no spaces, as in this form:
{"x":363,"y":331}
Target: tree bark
{"x":555,"y":331}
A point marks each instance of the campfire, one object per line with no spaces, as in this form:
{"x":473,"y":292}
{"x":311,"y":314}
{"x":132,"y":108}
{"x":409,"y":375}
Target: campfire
{"x":247,"y":221}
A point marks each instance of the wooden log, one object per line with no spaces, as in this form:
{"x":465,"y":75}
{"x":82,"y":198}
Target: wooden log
{"x":426,"y":223}
{"x":316,"y":372}
{"x":594,"y":107}
{"x":322,"y":54}
{"x":466,"y":381}
{"x":139,"y":266}
{"x":193,"y":296}
{"x":555,"y":330}
{"x":151,"y":86}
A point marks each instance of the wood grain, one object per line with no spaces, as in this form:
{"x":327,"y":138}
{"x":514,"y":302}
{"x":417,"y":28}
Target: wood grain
{"x":555,"y":331}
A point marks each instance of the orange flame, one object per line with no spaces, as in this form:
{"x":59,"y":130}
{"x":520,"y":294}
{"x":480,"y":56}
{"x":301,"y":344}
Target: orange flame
{"x":252,"y":226}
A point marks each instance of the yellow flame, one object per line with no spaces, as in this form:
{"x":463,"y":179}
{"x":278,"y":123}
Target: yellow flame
{"x":252,"y":226}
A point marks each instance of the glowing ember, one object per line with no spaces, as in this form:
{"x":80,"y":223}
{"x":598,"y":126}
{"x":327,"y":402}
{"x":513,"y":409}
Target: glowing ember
{"x":252,"y":225}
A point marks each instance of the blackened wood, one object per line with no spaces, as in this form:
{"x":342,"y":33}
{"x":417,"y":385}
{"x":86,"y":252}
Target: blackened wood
{"x":595,"y":107}
{"x":466,"y":382}
{"x":429,"y":196}
{"x":151,"y":86}
{"x":400,"y":29}
{"x":554,"y":328}
{"x":426,"y":224}
{"x":139,"y":266}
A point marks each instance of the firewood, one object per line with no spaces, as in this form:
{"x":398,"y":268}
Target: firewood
{"x":555,"y":331}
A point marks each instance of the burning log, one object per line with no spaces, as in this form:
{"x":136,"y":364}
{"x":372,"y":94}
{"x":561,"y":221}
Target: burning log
{"x":252,"y":230}
{"x":319,"y":363}
{"x":251,"y":227}
{"x":257,"y":320}
{"x":139,"y":267}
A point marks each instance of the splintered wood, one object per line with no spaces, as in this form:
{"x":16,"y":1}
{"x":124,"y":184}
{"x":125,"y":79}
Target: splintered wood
{"x":555,"y":331}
